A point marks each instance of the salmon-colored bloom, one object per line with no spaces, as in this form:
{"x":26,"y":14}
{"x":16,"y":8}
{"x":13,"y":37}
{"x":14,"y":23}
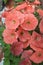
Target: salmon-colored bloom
{"x":37,"y":2}
{"x":35,"y":48}
{"x":19,"y":15}
{"x":40,"y":11}
{"x":25,"y":62}
{"x":28,"y":9}
{"x":5,"y":14}
{"x":17,"y":48}
{"x":37,"y":57}
{"x":26,"y":54}
{"x":25,"y":8}
{"x":36,"y":37}
{"x":22,"y":6}
{"x":10,"y":36}
{"x":24,"y":36}
{"x":36,"y":41}
{"x":8,"y":16}
{"x":41,"y":26}
{"x":14,"y":14}
{"x":26,"y":44}
{"x":13,"y":23}
{"x":13,"y":18}
{"x":30,"y":22}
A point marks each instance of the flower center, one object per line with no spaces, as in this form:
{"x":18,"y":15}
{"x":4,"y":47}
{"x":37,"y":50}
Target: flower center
{"x":22,"y":33}
{"x":37,"y":38}
{"x":12,"y":35}
{"x":14,"y":21}
{"x":39,"y":54}
{"x":28,"y":22}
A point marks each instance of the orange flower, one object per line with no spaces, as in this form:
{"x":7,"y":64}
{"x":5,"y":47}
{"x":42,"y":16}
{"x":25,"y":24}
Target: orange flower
{"x":10,"y":36}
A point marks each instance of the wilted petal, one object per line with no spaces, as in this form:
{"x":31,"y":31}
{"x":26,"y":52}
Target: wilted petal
{"x":26,"y":54}
{"x":25,"y":62}
{"x":17,"y":48}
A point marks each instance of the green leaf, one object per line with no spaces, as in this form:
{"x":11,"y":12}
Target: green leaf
{"x":31,"y":1}
{"x":14,"y":60}
{"x":19,"y":0}
{"x":6,"y":51}
{"x":1,"y":31}
{"x":2,"y":42}
{"x":6,"y":62}
{"x":41,"y":63}
{"x":5,"y":1}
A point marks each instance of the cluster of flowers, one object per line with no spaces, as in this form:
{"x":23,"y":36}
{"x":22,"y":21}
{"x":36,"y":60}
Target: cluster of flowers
{"x":19,"y":23}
